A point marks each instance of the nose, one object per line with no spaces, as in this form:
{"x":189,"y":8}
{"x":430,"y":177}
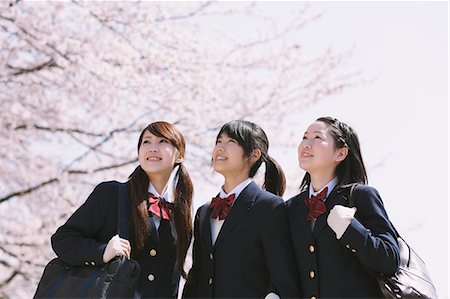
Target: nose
{"x":152,"y":148}
{"x":305,"y":144}
{"x":220,"y":147}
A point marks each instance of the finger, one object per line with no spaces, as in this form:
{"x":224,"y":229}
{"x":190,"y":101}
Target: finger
{"x":126,"y":250}
{"x":125,"y":242}
{"x":126,"y":245}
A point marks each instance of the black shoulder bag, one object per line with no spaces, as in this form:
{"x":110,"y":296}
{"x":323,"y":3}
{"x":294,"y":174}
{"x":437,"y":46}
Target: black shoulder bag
{"x":116,"y":279}
{"x":411,"y":280}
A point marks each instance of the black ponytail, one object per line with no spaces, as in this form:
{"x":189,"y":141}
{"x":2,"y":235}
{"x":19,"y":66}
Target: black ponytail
{"x":274,"y":178}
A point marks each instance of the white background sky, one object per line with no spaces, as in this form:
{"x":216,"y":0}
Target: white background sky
{"x":401,"y":118}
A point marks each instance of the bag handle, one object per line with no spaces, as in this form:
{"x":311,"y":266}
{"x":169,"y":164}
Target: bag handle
{"x":123,"y":212}
{"x":351,"y":201}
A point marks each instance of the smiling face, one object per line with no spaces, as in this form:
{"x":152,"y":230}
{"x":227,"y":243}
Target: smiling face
{"x":228,"y":157}
{"x":157,"y":155}
{"x":317,"y":152}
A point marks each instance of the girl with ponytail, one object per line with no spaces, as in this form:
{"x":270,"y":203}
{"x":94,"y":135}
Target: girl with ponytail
{"x":160,"y":200}
{"x":241,"y":238}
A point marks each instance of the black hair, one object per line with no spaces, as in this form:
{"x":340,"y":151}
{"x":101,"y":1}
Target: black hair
{"x":250,"y":136}
{"x":351,"y":170}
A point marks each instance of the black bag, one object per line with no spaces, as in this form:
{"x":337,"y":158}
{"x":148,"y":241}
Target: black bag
{"x":116,"y":279}
{"x":411,"y":280}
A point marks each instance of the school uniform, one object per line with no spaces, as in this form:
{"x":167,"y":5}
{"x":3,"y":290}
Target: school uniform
{"x":83,"y":238}
{"x":336,"y":268}
{"x":249,"y":255}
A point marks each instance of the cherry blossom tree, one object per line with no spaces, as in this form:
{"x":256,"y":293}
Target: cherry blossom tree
{"x":80,"y":80}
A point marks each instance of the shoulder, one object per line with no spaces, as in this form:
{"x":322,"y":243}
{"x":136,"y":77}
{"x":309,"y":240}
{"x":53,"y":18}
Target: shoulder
{"x":105,"y":191}
{"x":295,"y":199}
{"x":364,"y":192}
{"x":367,"y":198}
{"x":268,"y":198}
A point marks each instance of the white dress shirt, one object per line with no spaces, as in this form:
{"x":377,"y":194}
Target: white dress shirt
{"x":216,"y":224}
{"x":167,"y":194}
{"x":330,"y":186}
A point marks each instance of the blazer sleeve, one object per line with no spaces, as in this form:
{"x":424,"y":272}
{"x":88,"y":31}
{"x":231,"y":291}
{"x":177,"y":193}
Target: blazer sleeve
{"x":83,"y":238}
{"x":370,"y":234}
{"x":191,"y":285}
{"x":279,"y":252}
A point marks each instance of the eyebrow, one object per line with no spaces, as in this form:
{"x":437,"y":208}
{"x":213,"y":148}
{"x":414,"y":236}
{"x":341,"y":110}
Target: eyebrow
{"x":320,"y":131}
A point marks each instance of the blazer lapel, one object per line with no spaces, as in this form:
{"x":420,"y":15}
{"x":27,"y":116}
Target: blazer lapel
{"x":300,"y":227}
{"x":205,"y":225}
{"x":240,"y":208}
{"x":333,"y":199}
{"x":153,"y":232}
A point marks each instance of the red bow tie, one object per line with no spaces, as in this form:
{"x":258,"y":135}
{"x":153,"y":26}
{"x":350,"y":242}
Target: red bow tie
{"x":159,"y":206}
{"x":315,"y":205}
{"x":221,"y":206}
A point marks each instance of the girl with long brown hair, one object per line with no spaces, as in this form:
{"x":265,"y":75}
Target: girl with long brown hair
{"x":160,"y":201}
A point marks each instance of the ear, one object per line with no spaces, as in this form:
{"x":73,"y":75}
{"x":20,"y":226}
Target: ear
{"x":179,"y":160}
{"x":255,"y":155}
{"x":341,"y":154}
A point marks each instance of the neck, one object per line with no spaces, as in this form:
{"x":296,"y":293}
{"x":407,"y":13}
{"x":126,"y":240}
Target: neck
{"x":159,"y":182}
{"x":232,"y":181}
{"x":320,"y":181}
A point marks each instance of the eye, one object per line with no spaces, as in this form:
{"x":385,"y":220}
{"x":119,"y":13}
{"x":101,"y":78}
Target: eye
{"x":145,"y":141}
{"x":163,"y":140}
{"x":232,"y":141}
{"x":318,"y":137}
{"x":218,"y":141}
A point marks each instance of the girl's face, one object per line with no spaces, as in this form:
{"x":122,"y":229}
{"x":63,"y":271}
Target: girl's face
{"x":157,"y":156}
{"x":317,"y":152}
{"x":228,"y":157}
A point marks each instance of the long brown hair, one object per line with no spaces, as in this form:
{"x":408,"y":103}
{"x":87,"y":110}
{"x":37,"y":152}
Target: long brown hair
{"x":181,"y":217}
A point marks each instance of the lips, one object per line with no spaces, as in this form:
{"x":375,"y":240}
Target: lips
{"x":153,"y":158}
{"x":220,"y":158}
{"x":305,"y":155}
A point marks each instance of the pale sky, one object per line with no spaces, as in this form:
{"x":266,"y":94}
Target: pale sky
{"x":401,"y":118}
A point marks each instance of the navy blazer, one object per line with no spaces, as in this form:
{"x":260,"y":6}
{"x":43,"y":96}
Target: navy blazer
{"x":331,"y":268}
{"x":83,"y":239}
{"x":252,"y":255}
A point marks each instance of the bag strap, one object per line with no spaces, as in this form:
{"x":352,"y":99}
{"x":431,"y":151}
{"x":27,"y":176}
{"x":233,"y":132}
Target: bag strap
{"x":351,"y":201}
{"x":351,"y":204}
{"x":123,"y":212}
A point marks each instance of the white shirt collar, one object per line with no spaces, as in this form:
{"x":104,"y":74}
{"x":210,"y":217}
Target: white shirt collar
{"x":236,"y":190}
{"x":168,"y":193}
{"x":330,"y":186}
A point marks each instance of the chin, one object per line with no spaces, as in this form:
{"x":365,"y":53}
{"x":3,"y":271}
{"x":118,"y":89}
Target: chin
{"x":304,"y":166}
{"x":219,"y":170}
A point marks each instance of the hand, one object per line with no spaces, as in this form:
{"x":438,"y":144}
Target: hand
{"x":115,"y":247}
{"x":339,"y":219}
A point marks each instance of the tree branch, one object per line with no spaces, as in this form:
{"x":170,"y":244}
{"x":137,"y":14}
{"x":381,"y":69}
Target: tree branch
{"x":21,"y":71}
{"x":70,"y":172}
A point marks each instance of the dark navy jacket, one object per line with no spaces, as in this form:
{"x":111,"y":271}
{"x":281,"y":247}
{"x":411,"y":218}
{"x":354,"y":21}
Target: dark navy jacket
{"x":331,"y":268}
{"x":252,"y":255}
{"x":83,"y":239}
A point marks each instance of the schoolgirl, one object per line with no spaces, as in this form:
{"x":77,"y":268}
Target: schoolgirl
{"x":241,"y":238}
{"x":160,"y":200}
{"x":337,"y":247}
